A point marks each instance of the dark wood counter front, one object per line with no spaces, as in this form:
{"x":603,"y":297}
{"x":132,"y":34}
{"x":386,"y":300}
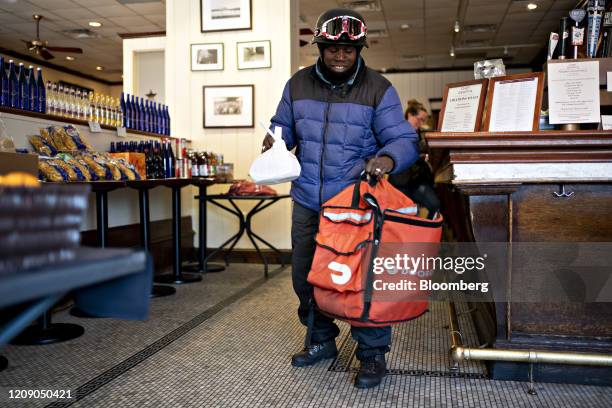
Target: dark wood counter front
{"x":532,"y":187}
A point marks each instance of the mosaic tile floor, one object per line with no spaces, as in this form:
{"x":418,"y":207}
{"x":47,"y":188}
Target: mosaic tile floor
{"x":227,"y":341}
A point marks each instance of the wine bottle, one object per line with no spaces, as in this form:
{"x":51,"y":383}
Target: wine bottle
{"x":22,"y":88}
{"x":42,"y":94}
{"x":153,"y":117}
{"x":147,"y":116}
{"x":167,"y":116}
{"x":124,"y":116}
{"x":13,"y":86}
{"x":173,"y":170}
{"x":4,"y":85}
{"x":32,"y":90}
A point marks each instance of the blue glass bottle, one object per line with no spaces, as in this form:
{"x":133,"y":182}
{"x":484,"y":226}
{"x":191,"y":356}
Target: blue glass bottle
{"x":167,"y":115}
{"x":162,"y":119}
{"x":22,"y":88}
{"x":123,"y":110}
{"x":153,"y":117}
{"x":143,"y":115}
{"x":41,"y":92}
{"x":129,"y":113}
{"x":32,"y":90}
{"x":136,"y":113}
{"x":4,"y":85}
{"x":13,"y":86}
{"x":147,"y":116}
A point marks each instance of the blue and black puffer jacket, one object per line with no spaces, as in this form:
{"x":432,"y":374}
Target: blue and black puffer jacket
{"x":337,"y":128}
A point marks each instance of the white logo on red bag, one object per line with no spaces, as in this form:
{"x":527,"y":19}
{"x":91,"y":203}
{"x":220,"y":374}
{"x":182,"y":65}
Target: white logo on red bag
{"x":344,"y":273}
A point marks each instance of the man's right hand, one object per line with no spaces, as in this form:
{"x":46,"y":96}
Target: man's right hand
{"x":267,"y":143}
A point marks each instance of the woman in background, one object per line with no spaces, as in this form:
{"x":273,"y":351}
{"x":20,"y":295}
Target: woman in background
{"x":418,"y":181}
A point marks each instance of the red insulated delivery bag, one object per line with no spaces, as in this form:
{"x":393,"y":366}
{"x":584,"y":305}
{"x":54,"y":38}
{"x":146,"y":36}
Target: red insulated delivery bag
{"x":353,"y":225}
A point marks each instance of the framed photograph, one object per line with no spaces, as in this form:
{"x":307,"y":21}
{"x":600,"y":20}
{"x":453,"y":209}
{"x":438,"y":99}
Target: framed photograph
{"x":229,"y":106}
{"x":462,"y":106}
{"x":514,"y":103}
{"x":207,"y":57}
{"x":225,"y":15}
{"x":254,"y":54}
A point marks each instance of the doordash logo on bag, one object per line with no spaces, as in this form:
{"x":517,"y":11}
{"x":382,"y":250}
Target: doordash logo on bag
{"x":343,"y":274}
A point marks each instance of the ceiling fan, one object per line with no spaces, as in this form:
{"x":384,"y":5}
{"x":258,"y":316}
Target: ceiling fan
{"x":42,"y":48}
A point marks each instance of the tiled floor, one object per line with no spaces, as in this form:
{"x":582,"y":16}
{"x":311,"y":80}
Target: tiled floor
{"x":227,"y":341}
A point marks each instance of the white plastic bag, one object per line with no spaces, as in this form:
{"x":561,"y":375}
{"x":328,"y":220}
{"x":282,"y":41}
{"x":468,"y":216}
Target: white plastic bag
{"x":277,"y":164}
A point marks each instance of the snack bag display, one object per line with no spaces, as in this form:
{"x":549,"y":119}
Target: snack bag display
{"x":49,"y":170}
{"x":93,"y":176}
{"x":80,"y":142}
{"x":72,"y":173}
{"x":102,"y":172}
{"x":42,"y":146}
{"x":59,"y":136}
{"x":81,"y":171}
{"x":46,"y":136}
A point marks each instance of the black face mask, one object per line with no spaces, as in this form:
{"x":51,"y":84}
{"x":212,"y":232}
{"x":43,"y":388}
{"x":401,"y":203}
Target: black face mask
{"x":334,"y":77}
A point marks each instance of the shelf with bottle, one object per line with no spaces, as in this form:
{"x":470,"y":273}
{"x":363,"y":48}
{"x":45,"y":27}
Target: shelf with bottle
{"x":20,"y":88}
{"x":199,"y":163}
{"x":23,"y":92}
{"x":159,"y":160}
{"x":145,"y":115}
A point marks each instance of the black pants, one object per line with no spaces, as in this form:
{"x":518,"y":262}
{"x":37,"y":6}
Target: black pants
{"x":304,"y":226}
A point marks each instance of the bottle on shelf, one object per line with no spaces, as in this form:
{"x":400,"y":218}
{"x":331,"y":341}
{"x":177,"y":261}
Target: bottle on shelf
{"x":167,"y":116}
{"x":32,"y":90}
{"x":4,"y":85}
{"x":123,"y":112}
{"x":13,"y":86}
{"x":42,"y":94}
{"x":22,"y":88}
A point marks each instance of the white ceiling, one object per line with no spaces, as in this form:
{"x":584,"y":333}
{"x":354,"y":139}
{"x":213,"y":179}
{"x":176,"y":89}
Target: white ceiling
{"x":425,"y":45}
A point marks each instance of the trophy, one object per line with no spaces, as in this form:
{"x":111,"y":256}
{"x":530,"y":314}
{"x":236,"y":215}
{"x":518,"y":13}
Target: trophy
{"x":577,"y":33}
{"x":595,"y":10}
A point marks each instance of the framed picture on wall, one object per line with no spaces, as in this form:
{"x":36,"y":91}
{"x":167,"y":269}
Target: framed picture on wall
{"x":207,"y":57}
{"x":229,"y":106}
{"x":253,"y":54}
{"x":225,"y":15}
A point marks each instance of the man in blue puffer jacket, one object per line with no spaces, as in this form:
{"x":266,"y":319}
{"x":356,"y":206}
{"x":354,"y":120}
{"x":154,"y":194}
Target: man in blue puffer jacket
{"x":343,"y":118}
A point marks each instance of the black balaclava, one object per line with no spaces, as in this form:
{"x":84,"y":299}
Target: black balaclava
{"x":333,"y":77}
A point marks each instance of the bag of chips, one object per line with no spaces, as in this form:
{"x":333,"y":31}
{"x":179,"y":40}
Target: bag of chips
{"x":41,"y":146}
{"x":100,"y":170}
{"x":49,"y":170}
{"x":46,"y":136}
{"x":80,"y":142}
{"x":59,"y":135}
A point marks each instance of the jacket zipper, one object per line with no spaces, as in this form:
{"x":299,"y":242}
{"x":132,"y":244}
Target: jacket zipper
{"x":323,"y":156}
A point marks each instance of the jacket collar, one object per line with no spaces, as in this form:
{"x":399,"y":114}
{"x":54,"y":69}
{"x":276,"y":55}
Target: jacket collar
{"x":317,"y":73}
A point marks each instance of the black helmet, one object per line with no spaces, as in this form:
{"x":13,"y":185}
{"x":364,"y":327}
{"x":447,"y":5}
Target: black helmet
{"x":340,"y":26}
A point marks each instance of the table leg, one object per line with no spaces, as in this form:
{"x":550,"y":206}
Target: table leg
{"x":235,"y":237}
{"x":145,"y":239}
{"x":45,"y":332}
{"x":102,"y":218}
{"x":177,"y":277}
{"x":3,"y":363}
{"x":258,"y":208}
{"x":199,"y":266}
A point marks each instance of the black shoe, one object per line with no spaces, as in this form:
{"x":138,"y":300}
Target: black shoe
{"x":314,"y":353}
{"x":371,"y":372}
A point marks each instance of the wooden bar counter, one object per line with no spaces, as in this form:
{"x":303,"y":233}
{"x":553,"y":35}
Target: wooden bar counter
{"x":531,"y":187}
